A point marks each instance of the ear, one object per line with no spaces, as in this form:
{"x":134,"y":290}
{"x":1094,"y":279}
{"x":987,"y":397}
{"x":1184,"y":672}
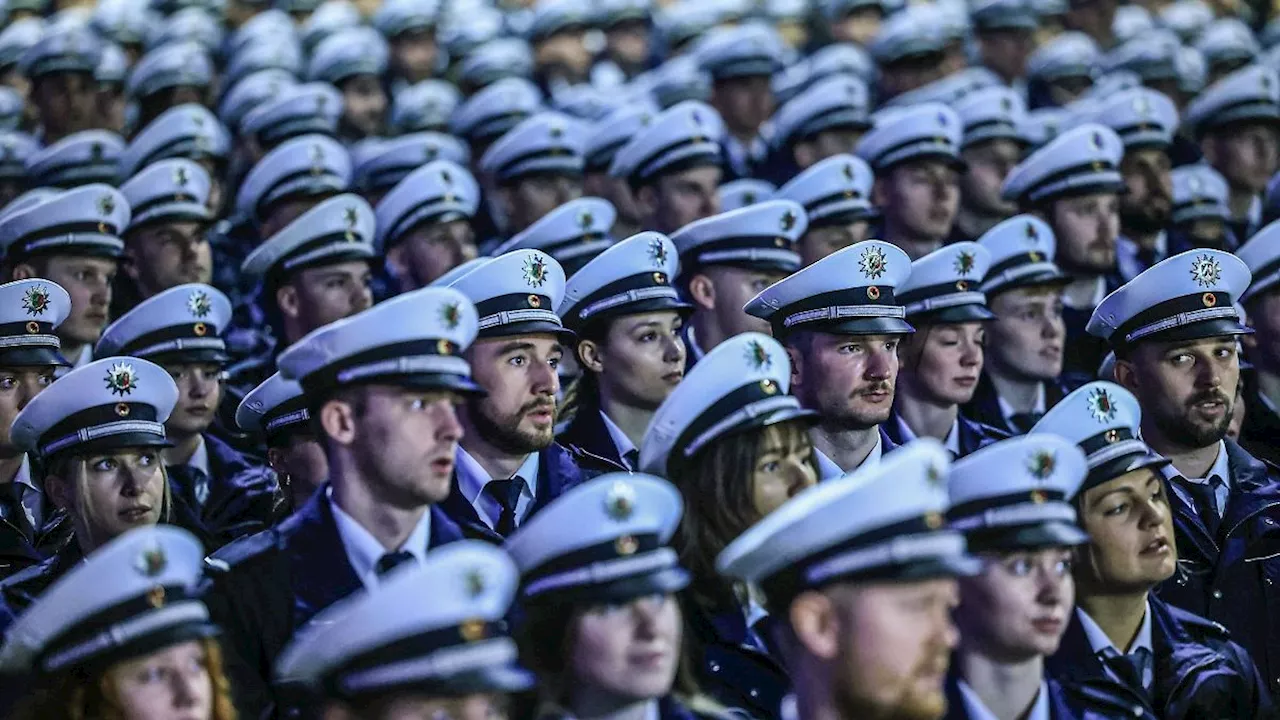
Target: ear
{"x":506,"y":199}
{"x":129,"y":262}
{"x":1209,"y":149}
{"x":339,"y":421}
{"x":804,"y":154}
{"x":646,"y":198}
{"x":880,"y":192}
{"x":275,"y":460}
{"x":24,"y":271}
{"x":702,"y":291}
{"x":815,"y":624}
{"x":60,"y":491}
{"x":396,"y":261}
{"x":797,"y":366}
{"x":590,"y":357}
{"x":288,"y":301}
{"x":1126,"y":375}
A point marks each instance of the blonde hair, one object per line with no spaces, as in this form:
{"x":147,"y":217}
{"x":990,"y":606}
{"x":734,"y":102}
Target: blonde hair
{"x":74,"y":469}
{"x":77,"y":696}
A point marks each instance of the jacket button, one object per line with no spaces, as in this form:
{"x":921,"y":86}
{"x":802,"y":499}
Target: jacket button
{"x":1217,"y":594}
{"x":1137,"y":711}
{"x":1270,"y":581}
{"x":754,"y":693}
{"x":715,"y":667}
{"x":1269,"y":521}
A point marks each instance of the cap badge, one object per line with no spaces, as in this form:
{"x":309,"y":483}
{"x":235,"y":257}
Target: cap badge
{"x":645,"y":119}
{"x":321,"y":102}
{"x":1206,"y":271}
{"x":873,"y":263}
{"x":35,"y":300}
{"x":317,"y":160}
{"x":1101,"y":406}
{"x":152,"y":561}
{"x":199,"y":303}
{"x":349,"y":216}
{"x":658,"y":252}
{"x":620,"y":502}
{"x":535,"y":271}
{"x":1142,"y":106}
{"x":180,"y":176}
{"x":748,"y":198}
{"x":757,"y":356}
{"x":1096,"y":141}
{"x":964,"y":263}
{"x":556,"y":131}
{"x":450,"y":315}
{"x":788,"y":220}
{"x":446,"y":177}
{"x":586,"y":220}
{"x":475,"y":582}
{"x":1266,"y":82}
{"x":1033,"y":235}
{"x":848,"y":172}
{"x":1193,"y":184}
{"x":933,"y":476}
{"x":95,"y":152}
{"x":122,"y":379}
{"x":942,"y":119}
{"x":106,"y":204}
{"x":1041,"y":464}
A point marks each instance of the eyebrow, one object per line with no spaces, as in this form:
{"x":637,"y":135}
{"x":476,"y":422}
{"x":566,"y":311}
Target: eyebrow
{"x":1098,"y":501}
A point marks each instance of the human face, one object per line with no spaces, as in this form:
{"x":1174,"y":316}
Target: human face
{"x":1019,"y":606}
{"x":68,"y":102}
{"x":364,"y":104}
{"x":859,"y":27}
{"x":1131,"y":547}
{"x":88,"y":281}
{"x":169,"y":684}
{"x":943,"y":362}
{"x":1005,"y":52}
{"x":1148,"y":175}
{"x":405,"y":441}
{"x":848,"y":379}
{"x":414,"y":54}
{"x":518,"y":414}
{"x":825,"y":144}
{"x":627,"y":650}
{"x":784,"y":467}
{"x":680,"y":198}
{"x":628,"y":43}
{"x":331,"y":292}
{"x":1264,"y":316}
{"x":734,"y":287}
{"x":642,"y":359}
{"x":989,"y":165}
{"x":301,"y":464}
{"x":563,"y":56}
{"x":617,"y":192}
{"x":534,"y":196}
{"x":1245,"y":154}
{"x":819,"y":242}
{"x":412,"y":706}
{"x":1186,"y":389}
{"x":17,"y":387}
{"x":119,"y":490}
{"x":901,"y":77}
{"x":921,"y":199}
{"x":1086,"y":228}
{"x":166,"y":255}
{"x":431,"y":250}
{"x":112,"y":103}
{"x":894,"y":649}
{"x":199,"y":392}
{"x":1028,"y":335}
{"x":744,"y":103}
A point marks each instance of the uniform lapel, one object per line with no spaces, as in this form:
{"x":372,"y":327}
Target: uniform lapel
{"x":465,"y":517}
{"x":321,"y":573}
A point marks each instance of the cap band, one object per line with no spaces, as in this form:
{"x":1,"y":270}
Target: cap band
{"x":1027,"y":513}
{"x":12,"y":341}
{"x":122,"y":633}
{"x":509,"y":317}
{"x":294,"y":418}
{"x":445,"y":662}
{"x":628,"y":298}
{"x":841,"y":312}
{"x":896,"y":551}
{"x":604,"y":571}
{"x":84,"y":435}
{"x":746,"y":412}
{"x":181,"y":345}
{"x":409,"y":365}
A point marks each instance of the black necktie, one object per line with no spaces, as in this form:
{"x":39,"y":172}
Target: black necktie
{"x":1023,"y":422}
{"x":11,"y":507}
{"x":1206,"y":503}
{"x":391,"y":561}
{"x":507,"y":493}
{"x":1129,"y":668}
{"x":191,"y":483}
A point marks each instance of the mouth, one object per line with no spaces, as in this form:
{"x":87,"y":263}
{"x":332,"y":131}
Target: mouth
{"x":878,"y":395}
{"x":1047,"y":625}
{"x":648,"y":659}
{"x":1053,"y":352}
{"x":673,"y":378}
{"x":1159,"y":546}
{"x":965,"y":381}
{"x":134,"y":514}
{"x":1210,"y":407}
{"x":541,"y":415}
{"x":442,"y":466}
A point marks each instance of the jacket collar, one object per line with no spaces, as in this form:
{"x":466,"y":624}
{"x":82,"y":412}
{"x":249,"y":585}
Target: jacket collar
{"x":320,"y":572}
{"x":587,"y":434}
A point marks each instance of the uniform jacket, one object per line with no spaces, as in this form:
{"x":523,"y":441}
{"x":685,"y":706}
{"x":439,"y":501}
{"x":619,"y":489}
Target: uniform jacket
{"x":984,"y":407}
{"x":1234,"y":579}
{"x":558,"y":471}
{"x":1260,"y":434}
{"x":729,"y":668}
{"x":972,"y":435}
{"x":1058,"y":707}
{"x":264,"y":587}
{"x":19,"y":552}
{"x":20,"y":590}
{"x":1199,"y":672}
{"x":1086,"y":352}
{"x":587,"y":438}
{"x":244,"y":498}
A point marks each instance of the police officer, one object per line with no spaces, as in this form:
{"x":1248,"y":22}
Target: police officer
{"x":628,"y":41}
{"x":380,"y":164}
{"x":186,"y":131}
{"x":829,"y":576}
{"x":1199,"y":217}
{"x":826,"y":119}
{"x":179,"y":329}
{"x":32,"y":528}
{"x":88,"y":156}
{"x":1004,"y":29}
{"x":673,"y":167}
{"x":1073,"y":184}
{"x":290,"y":180}
{"x":994,"y":140}
{"x":836,"y":195}
{"x":572,"y":234}
{"x":1175,"y":333}
{"x":909,"y":50}
{"x":173,"y":74}
{"x":97,"y":432}
{"x":83,"y":261}
{"x":854,"y":21}
{"x":380,"y":390}
{"x":1261,"y":390}
{"x":727,"y":259}
{"x":424,"y":106}
{"x":1026,"y":340}
{"x":293,"y":111}
{"x":1061,"y":70}
{"x":557,"y":33}
{"x":490,"y":113}
{"x":1234,"y":122}
{"x":940,"y":364}
{"x":15,"y":148}
{"x":1123,"y":639}
{"x":508,"y":463}
{"x":534,"y":168}
{"x":275,"y":414}
{"x":1146,"y":122}
{"x":841,"y":324}
{"x":607,"y":136}
{"x":424,"y":224}
{"x":60,"y":69}
{"x":354,"y":60}
{"x":410,"y":29}
{"x":915,"y":153}
{"x":627,"y":316}
{"x":741,"y":61}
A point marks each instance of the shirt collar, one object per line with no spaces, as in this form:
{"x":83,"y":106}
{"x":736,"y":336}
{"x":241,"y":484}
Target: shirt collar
{"x":23,"y":477}
{"x":976,"y":710}
{"x":364,"y":550}
{"x":620,"y":439}
{"x":1099,"y":294}
{"x":1221,"y":469}
{"x":691,"y":339}
{"x":85,"y":357}
{"x":472,"y":478}
{"x":200,"y":458}
{"x":828,"y":469}
{"x":1007,"y":411}
{"x":1099,"y":641}
{"x":952,"y":442}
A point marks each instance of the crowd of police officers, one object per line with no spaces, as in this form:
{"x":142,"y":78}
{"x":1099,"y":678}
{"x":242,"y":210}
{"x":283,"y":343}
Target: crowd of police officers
{"x":622,"y":360}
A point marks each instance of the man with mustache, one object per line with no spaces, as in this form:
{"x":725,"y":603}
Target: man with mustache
{"x":841,"y":326}
{"x":863,"y":624}
{"x":1073,"y":184}
{"x":508,"y":463}
{"x":1176,"y":335}
{"x":381,"y":389}
{"x":1146,"y":122}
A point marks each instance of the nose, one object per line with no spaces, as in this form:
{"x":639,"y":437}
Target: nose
{"x":971,"y":354}
{"x":183,"y":685}
{"x":448,"y":428}
{"x":1208,"y":375}
{"x":803,"y":476}
{"x":673,"y":349}
{"x":363,"y":297}
{"x":879,"y":364}
{"x":545,"y":380}
{"x":1050,"y":585}
{"x":1155,"y":513}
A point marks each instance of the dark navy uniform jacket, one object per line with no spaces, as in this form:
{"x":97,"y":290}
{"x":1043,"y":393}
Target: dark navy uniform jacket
{"x":558,"y":471}
{"x":668,"y":709}
{"x":19,"y":551}
{"x":730,"y":667}
{"x":1260,"y":434}
{"x":20,"y":590}
{"x":243,"y":497}
{"x":589,"y":441}
{"x":1083,"y":352}
{"x":1234,"y":578}
{"x":1199,"y":672}
{"x":264,"y":587}
{"x":971,"y":435}
{"x":984,"y":407}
